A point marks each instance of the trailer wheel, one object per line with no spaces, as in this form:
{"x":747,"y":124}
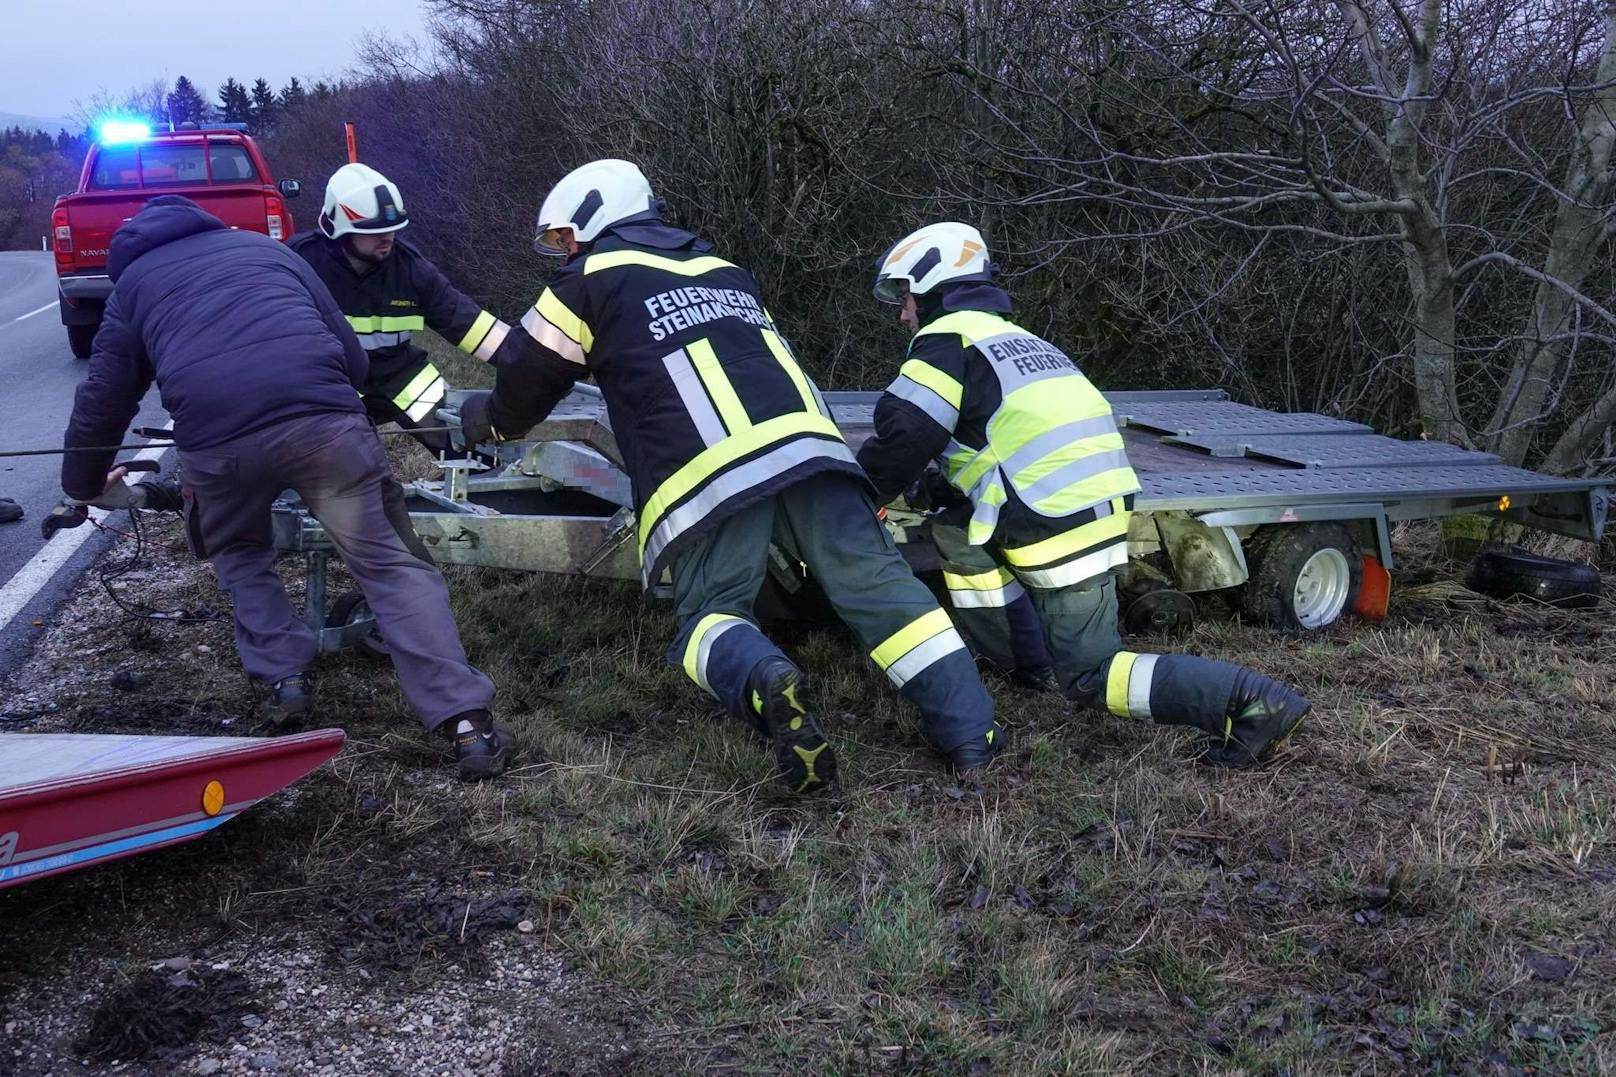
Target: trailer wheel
{"x":351,"y":608}
{"x":1302,"y":576}
{"x":81,"y":339}
{"x":1511,"y":572}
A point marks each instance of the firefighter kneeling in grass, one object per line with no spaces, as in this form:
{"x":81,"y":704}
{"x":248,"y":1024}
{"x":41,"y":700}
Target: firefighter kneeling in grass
{"x":729,"y":447}
{"x":388,"y":290}
{"x":1022,"y":433}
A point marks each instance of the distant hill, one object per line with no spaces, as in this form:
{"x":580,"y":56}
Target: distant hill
{"x":49,"y":124}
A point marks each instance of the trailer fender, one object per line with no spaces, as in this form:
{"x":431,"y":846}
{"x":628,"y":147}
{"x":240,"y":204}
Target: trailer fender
{"x":1204,"y":558}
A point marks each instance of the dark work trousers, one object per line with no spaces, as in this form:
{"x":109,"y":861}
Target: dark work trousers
{"x":990,"y":606}
{"x":336,"y":464}
{"x":828,"y":523}
{"x":1085,"y":647}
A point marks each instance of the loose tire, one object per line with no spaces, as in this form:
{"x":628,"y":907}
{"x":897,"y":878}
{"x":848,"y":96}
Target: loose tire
{"x":81,"y":338}
{"x":1513,"y":572}
{"x":350,"y":607}
{"x":1303,"y":577}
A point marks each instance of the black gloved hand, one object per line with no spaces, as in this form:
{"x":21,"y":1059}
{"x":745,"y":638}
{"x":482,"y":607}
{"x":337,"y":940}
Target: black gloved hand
{"x":475,"y":425}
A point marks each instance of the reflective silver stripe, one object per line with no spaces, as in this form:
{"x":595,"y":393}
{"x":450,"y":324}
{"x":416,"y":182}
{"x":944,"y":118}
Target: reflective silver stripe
{"x":372,"y":341}
{"x":940,"y":411}
{"x":1057,"y":438}
{"x":1072,"y":474}
{"x":688,"y":383}
{"x":547,"y":333}
{"x":1139,"y":677}
{"x":985,"y":513}
{"x":704,"y":651}
{"x":1083,"y":568}
{"x":800,"y":450}
{"x":1016,"y":370}
{"x":496,"y":336}
{"x":966,"y":599}
{"x":429,"y":399}
{"x":918,"y":660}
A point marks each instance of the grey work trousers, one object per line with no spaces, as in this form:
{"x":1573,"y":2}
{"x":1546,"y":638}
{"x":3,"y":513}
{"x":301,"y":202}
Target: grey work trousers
{"x":828,"y":523}
{"x":336,"y":464}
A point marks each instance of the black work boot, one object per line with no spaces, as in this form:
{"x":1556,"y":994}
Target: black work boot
{"x":807,"y":763}
{"x":481,"y":747}
{"x":977,"y":753}
{"x":285,"y":703}
{"x":1262,"y":713}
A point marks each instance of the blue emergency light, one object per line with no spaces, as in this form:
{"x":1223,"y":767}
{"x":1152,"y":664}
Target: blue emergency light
{"x":114,"y":132}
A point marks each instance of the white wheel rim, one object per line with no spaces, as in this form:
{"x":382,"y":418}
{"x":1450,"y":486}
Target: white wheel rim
{"x":1321,"y":588}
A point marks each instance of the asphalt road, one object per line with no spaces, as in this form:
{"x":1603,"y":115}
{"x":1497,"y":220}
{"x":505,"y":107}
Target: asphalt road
{"x":39,"y":375}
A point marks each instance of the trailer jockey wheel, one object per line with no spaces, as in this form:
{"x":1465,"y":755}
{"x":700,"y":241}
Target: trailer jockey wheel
{"x":1162,"y":612}
{"x":351,"y":608}
{"x":1302,"y":576}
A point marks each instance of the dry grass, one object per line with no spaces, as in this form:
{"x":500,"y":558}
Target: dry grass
{"x":1426,"y":881}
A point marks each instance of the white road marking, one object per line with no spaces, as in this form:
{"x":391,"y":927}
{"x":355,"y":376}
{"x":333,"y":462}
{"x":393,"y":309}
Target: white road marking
{"x":31,"y":313}
{"x":37,"y":572}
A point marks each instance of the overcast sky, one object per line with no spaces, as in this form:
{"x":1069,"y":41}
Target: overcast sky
{"x":53,"y":53}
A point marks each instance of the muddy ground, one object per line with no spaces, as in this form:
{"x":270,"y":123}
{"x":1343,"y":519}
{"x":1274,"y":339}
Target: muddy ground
{"x":637,"y":897}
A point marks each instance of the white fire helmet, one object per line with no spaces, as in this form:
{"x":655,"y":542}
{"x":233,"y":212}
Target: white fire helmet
{"x":588,"y":200}
{"x":934,"y":255}
{"x":360,"y":199}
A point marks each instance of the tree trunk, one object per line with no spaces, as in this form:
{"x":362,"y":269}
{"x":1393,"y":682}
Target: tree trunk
{"x":1578,"y":229}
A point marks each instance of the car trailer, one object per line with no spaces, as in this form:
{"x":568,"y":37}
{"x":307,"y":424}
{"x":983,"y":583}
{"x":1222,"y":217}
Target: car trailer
{"x":1286,"y":511}
{"x":70,"y":800}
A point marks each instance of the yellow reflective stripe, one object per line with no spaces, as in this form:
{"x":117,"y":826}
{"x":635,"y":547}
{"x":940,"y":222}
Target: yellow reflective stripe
{"x":385,"y":323}
{"x":712,"y":375}
{"x":991,"y":580}
{"x":694,"y":659}
{"x":715,"y":459}
{"x":783,"y":353}
{"x":1070,"y":542}
{"x":474,"y":335}
{"x":418,"y":385}
{"x":910,"y":636}
{"x":561,"y":316}
{"x":693,"y":267}
{"x":1116,"y":683}
{"x":933,"y":379}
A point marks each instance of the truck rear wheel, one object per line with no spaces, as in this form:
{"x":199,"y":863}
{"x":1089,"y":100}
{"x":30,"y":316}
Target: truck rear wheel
{"x":1302,"y":576}
{"x":81,"y":338}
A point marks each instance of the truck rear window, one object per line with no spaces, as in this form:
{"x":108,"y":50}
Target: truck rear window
{"x":118,"y":167}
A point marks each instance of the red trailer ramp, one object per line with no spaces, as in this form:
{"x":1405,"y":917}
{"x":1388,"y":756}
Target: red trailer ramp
{"x":69,"y":800}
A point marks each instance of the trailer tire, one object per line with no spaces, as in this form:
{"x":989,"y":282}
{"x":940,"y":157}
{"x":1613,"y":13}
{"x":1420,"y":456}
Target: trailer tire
{"x":1302,"y":577}
{"x":1514,"y":572}
{"x":349,"y":607}
{"x":81,"y":338}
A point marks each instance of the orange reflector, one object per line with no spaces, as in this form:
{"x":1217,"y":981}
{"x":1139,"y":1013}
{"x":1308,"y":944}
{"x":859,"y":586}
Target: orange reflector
{"x":1503,"y":503}
{"x":213,"y":798}
{"x":1376,"y":592}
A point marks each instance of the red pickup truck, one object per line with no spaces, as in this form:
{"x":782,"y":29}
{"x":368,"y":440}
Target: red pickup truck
{"x":219,"y":167}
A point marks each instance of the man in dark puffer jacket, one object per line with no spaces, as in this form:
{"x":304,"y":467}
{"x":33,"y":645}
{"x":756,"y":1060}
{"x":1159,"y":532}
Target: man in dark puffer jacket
{"x":260,"y":372}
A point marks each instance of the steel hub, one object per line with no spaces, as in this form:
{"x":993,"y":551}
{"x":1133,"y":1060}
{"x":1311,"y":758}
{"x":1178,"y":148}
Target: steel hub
{"x":1321,"y":588}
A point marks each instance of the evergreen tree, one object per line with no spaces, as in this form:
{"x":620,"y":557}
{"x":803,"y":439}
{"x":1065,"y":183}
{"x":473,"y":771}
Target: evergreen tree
{"x":292,"y":95}
{"x":185,"y":103}
{"x":322,"y":90}
{"x":264,"y":106}
{"x":235,"y":106}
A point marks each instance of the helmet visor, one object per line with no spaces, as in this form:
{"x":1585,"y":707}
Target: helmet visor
{"x":891,"y":289}
{"x":551,"y":241}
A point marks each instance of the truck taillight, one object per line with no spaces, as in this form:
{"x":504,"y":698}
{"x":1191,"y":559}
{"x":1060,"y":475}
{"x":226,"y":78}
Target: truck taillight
{"x":62,"y":234}
{"x":274,"y":221}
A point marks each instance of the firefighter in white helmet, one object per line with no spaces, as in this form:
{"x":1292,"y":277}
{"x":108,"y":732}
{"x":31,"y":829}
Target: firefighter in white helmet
{"x":729,"y":448}
{"x":1019,"y":431}
{"x":389,"y":290}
